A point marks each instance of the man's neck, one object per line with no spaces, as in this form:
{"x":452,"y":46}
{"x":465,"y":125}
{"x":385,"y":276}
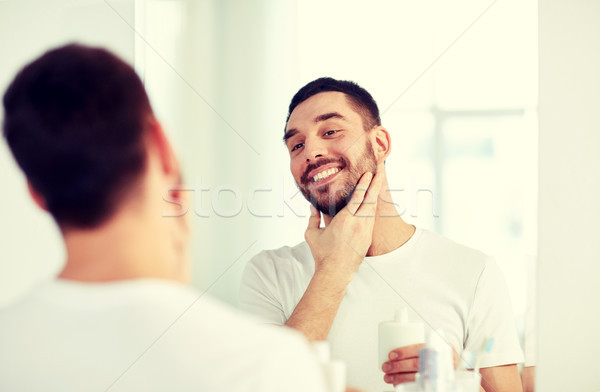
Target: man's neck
{"x":120,"y":249}
{"x":389,"y":231}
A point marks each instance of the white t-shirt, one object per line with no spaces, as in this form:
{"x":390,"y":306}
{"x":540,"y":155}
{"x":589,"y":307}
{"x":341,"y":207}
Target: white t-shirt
{"x":145,"y":335}
{"x":445,"y":285}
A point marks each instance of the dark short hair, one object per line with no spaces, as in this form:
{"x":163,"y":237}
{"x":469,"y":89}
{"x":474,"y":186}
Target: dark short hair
{"x":75,"y":120}
{"x":361,"y":101}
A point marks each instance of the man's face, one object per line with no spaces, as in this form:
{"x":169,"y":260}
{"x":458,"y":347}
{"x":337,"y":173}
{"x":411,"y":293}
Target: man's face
{"x":329,"y":150}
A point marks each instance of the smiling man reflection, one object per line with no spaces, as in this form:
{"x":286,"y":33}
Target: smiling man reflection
{"x":366,"y":262}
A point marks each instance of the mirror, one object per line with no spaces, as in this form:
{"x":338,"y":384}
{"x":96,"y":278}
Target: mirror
{"x":455,"y":82}
{"x":457,"y":90}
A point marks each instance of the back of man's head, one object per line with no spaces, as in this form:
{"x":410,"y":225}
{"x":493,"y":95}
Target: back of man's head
{"x":75,"y":121}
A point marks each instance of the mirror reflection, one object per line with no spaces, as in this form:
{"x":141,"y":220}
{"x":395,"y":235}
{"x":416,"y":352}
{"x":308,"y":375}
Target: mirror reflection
{"x":456,"y":90}
{"x":456,"y":87}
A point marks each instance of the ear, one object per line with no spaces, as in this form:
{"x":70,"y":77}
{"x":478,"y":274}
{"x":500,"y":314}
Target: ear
{"x":160,"y":143}
{"x":382,"y":144}
{"x":37,"y":198}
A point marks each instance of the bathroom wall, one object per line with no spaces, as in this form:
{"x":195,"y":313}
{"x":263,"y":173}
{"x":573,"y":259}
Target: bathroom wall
{"x":569,"y":196}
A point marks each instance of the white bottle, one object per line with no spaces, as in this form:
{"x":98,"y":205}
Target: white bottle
{"x":398,"y":333}
{"x":333,"y":371}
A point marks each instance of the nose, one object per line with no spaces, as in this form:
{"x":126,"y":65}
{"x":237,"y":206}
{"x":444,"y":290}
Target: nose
{"x":313,"y":150}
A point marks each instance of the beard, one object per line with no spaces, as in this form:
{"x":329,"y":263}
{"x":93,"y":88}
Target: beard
{"x":331,"y":201}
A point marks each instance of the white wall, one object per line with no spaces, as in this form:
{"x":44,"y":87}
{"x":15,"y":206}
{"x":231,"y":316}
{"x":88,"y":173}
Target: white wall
{"x":30,"y":245}
{"x":569,"y":209}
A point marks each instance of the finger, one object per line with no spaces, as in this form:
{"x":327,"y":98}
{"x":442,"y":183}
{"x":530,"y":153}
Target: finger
{"x":399,"y":378}
{"x":359,"y":193}
{"x":402,"y":366}
{"x":455,"y":357}
{"x":369,"y":204}
{"x":410,"y":351}
{"x":314,"y":222}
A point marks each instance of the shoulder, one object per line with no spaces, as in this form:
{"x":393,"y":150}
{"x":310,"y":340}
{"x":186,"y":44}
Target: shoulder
{"x":298,"y":257}
{"x":216,"y":322}
{"x":448,"y":251}
{"x":210,"y":334}
{"x":452,"y":262}
{"x":463,"y":265}
{"x":274,"y":280}
{"x":299,"y":253}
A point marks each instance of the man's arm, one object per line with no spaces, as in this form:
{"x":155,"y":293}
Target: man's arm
{"x":528,"y":378}
{"x":314,"y":314}
{"x":492,"y":316}
{"x":338,"y":250}
{"x":501,"y":379}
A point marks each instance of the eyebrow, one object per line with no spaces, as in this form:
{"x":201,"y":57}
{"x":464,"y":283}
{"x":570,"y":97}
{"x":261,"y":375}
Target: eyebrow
{"x":327,"y":116}
{"x":320,"y":118}
{"x":290,"y":133}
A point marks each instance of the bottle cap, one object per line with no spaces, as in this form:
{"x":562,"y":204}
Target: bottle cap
{"x":401,"y":316}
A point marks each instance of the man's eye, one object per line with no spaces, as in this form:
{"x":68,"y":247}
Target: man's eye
{"x":329,"y":133}
{"x":297,"y":146}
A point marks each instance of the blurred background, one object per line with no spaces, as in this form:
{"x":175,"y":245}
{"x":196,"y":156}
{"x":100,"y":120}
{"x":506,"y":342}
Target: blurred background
{"x":456,"y":83}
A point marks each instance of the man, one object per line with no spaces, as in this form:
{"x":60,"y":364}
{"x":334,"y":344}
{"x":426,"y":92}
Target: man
{"x":327,"y":288}
{"x":119,"y":317}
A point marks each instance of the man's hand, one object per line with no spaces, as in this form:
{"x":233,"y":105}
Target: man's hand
{"x":338,"y":250}
{"x":404,"y":364}
{"x":343,"y":244}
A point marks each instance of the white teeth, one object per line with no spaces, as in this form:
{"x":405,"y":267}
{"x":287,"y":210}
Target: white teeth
{"x":324,"y":174}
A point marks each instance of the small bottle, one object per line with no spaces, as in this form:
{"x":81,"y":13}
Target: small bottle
{"x":436,"y":365}
{"x":398,"y":333}
{"x":333,"y":371}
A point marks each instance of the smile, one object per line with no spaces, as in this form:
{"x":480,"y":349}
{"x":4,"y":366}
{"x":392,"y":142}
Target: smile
{"x":325,"y":174}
